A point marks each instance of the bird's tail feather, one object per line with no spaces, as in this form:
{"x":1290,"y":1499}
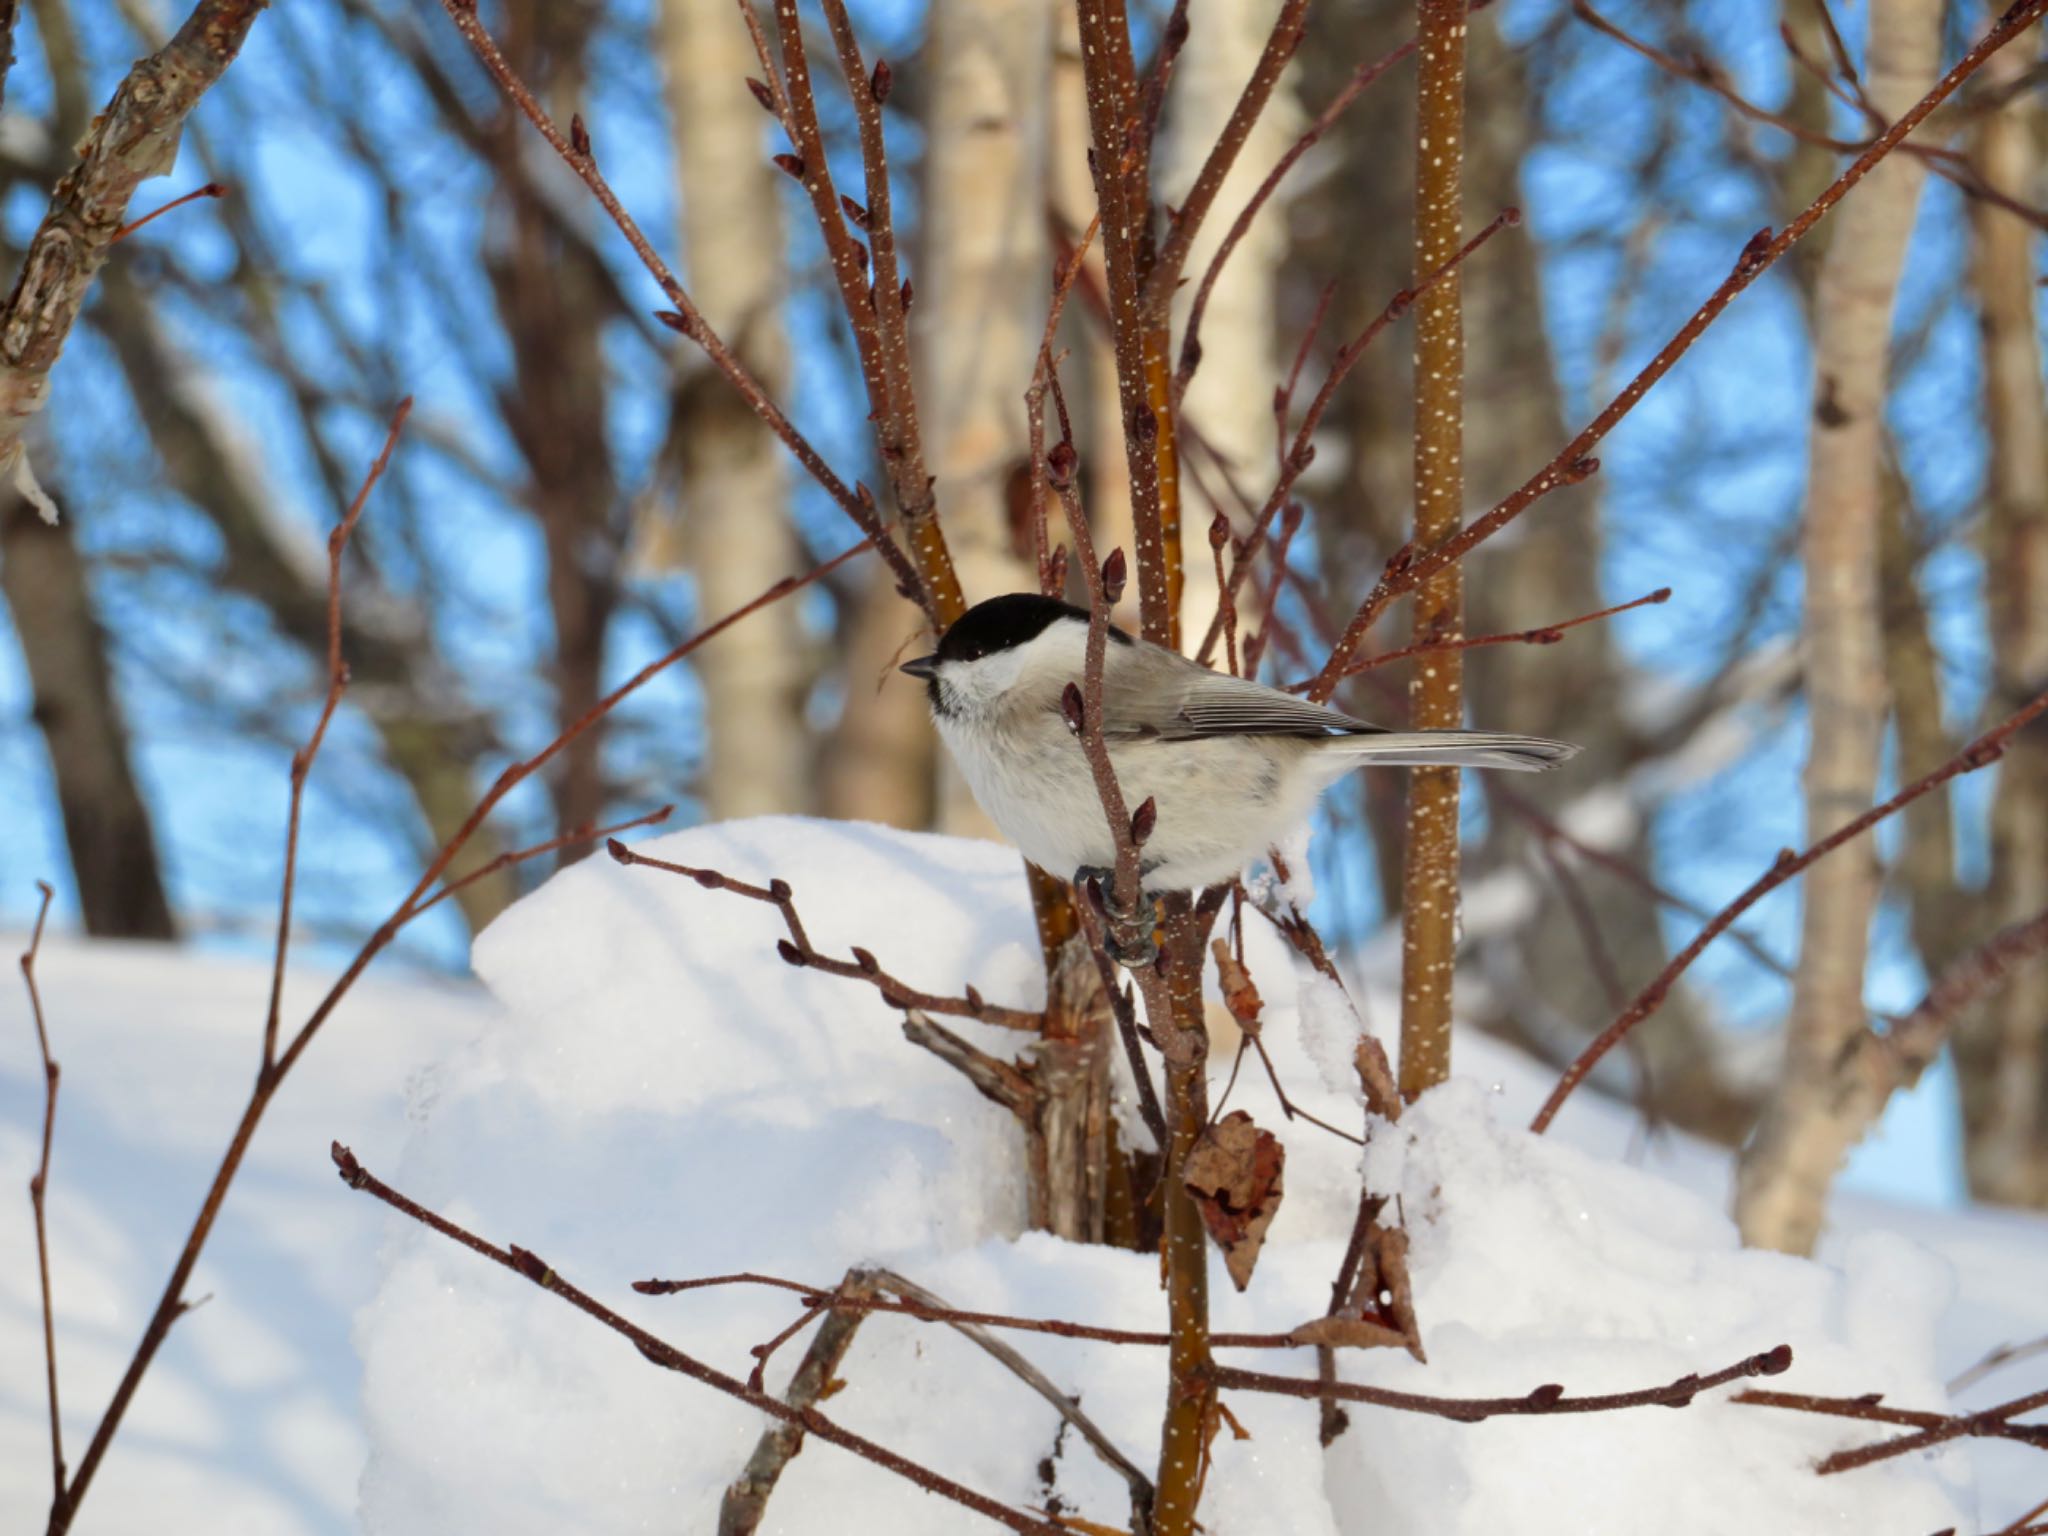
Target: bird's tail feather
{"x":1453,"y":749}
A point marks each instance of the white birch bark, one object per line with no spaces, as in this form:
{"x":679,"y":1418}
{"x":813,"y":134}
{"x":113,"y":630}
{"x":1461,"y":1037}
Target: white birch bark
{"x":1785,"y":1172}
{"x":733,"y":530}
{"x":982,"y":292}
{"x":1228,"y":407}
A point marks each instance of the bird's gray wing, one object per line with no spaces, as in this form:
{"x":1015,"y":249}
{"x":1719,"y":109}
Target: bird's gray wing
{"x":1178,"y":700}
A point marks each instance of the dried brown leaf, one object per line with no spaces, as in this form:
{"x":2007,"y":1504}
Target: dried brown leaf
{"x":1240,"y":995}
{"x":1349,"y":1333}
{"x":1234,"y":1173}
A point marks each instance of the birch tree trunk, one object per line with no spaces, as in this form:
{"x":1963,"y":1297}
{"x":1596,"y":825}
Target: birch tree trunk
{"x":983,"y":287}
{"x":2003,"y":1055}
{"x":1785,"y":1172}
{"x":733,"y":531}
{"x":1228,"y":407}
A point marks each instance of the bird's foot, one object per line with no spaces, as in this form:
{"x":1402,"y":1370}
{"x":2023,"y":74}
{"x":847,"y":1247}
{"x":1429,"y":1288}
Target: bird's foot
{"x":1127,"y":934}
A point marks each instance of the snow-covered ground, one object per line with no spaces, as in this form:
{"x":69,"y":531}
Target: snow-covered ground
{"x":658,"y":1095}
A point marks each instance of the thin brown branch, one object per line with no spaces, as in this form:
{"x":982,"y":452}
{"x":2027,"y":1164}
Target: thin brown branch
{"x":1066,"y":1407}
{"x":1302,"y":454}
{"x":1944,"y":162}
{"x":38,"y":1190}
{"x":1982,"y":752}
{"x":797,"y":949}
{"x":573,"y":838}
{"x":1549,"y":634}
{"x":1573,"y":463}
{"x":1933,"y":1428}
{"x":686,"y":319}
{"x":530,"y":1267}
{"x":211,"y":189}
{"x":1285,"y":37}
{"x":1546,"y":1399}
{"x":337,"y":682}
{"x":171,"y":1304}
{"x":933,"y":1312}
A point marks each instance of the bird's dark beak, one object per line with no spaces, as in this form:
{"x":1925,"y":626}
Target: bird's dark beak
{"x":925,"y":667}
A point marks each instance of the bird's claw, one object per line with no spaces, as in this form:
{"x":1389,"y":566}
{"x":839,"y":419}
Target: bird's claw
{"x":1127,"y":934}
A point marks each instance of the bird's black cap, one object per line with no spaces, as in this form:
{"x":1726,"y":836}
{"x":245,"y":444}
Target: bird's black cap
{"x":1001,"y":623}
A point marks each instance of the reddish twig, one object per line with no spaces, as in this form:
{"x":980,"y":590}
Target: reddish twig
{"x":1931,"y":1429}
{"x":171,"y":1304}
{"x":1944,"y":162}
{"x":1986,"y":749}
{"x":1361,"y":78}
{"x":531,"y":1267}
{"x":574,"y":837}
{"x":1546,"y":1399}
{"x":38,"y":1188}
{"x":1574,"y":462}
{"x":1285,"y":37}
{"x":797,"y":949}
{"x":337,"y":682}
{"x":1302,"y":454}
{"x":812,"y":1296}
{"x":686,"y":319}
{"x":1549,"y":634}
{"x":211,"y":189}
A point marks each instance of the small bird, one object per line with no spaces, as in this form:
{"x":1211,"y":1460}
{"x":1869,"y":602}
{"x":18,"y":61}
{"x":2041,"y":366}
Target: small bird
{"x":1230,"y":765}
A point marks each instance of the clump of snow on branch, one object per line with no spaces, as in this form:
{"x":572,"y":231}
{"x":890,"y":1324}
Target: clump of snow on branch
{"x":671,"y":1099}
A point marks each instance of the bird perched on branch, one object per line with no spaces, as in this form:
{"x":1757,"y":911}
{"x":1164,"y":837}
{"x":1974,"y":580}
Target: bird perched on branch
{"x":1230,"y":765}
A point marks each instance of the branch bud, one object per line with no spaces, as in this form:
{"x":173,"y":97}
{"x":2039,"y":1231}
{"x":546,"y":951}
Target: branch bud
{"x":791,"y":955}
{"x":762,"y":94}
{"x":1115,"y":572}
{"x":1219,"y":531}
{"x":790,"y":164}
{"x":1060,"y":463}
{"x":880,"y":81}
{"x":579,"y":136}
{"x":1143,"y":820}
{"x":857,"y":214}
{"x":1072,"y":708}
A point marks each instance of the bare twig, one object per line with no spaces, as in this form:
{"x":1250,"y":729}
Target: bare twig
{"x":1302,"y":454}
{"x":211,"y":189}
{"x":171,"y":1304}
{"x":530,"y":1267}
{"x":797,"y":949}
{"x":1574,"y":462}
{"x":1548,"y":634}
{"x":573,"y":838}
{"x":337,"y":682}
{"x":1931,"y":1428}
{"x":1998,"y":1359}
{"x":38,"y":1191}
{"x":686,"y":319}
{"x":1543,"y":1400}
{"x":1986,"y":749}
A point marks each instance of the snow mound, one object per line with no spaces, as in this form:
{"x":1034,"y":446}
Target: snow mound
{"x":669,"y":1098}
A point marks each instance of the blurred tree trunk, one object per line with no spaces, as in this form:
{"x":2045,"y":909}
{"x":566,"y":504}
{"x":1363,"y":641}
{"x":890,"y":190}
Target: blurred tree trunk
{"x":982,"y":290}
{"x":731,"y":529}
{"x":881,"y":762}
{"x":2002,"y":1054}
{"x":552,"y":300}
{"x":1785,"y":1172}
{"x":106,"y":824}
{"x":1228,"y":407}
